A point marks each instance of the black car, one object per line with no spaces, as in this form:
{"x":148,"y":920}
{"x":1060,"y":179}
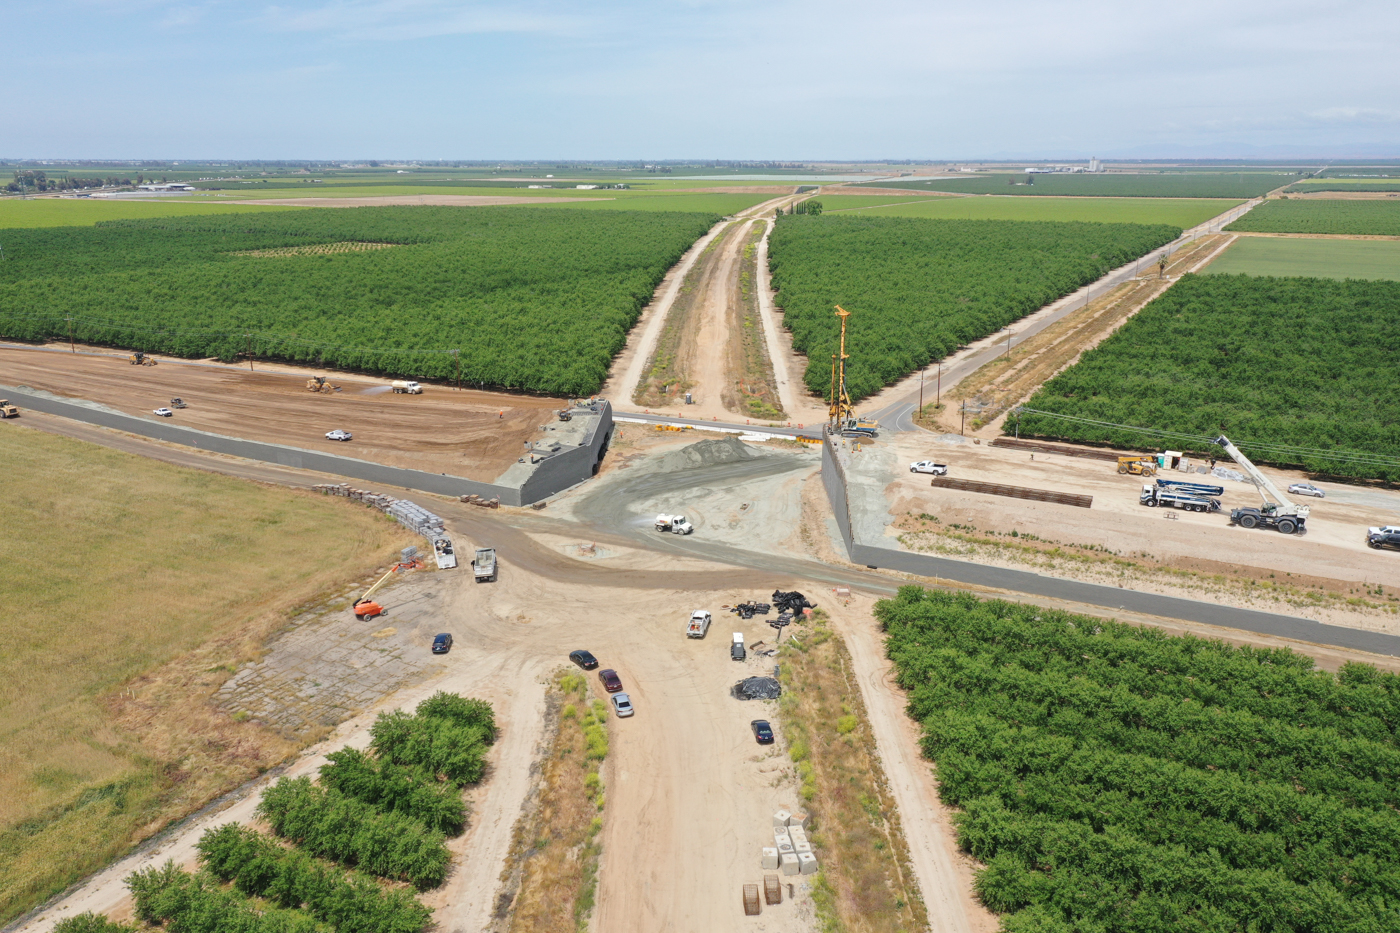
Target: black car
{"x":762,"y":731}
{"x":584,"y":659}
{"x":1384,"y":539}
{"x":442,"y":644}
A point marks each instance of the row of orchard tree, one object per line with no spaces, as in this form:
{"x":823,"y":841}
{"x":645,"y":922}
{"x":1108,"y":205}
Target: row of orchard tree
{"x":362,"y":839}
{"x":1115,"y":778}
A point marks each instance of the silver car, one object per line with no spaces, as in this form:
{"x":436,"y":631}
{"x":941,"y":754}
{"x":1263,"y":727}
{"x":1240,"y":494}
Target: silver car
{"x":1307,"y":489}
{"x":622,"y":703}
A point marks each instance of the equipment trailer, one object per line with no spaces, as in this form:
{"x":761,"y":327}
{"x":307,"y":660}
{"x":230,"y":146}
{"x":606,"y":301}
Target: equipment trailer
{"x":484,"y":565}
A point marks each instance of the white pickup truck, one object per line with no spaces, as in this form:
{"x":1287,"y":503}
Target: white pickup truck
{"x":699,"y":624}
{"x":675,"y":524}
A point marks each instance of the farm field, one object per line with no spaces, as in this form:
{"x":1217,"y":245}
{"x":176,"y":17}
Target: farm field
{"x":1117,"y":778}
{"x":1237,"y":185}
{"x":1249,"y":357}
{"x":84,"y":212}
{"x":1297,"y":256}
{"x":1363,"y":218}
{"x":534,"y":299}
{"x":917,"y":289}
{"x":124,"y":565}
{"x":1178,"y":212}
{"x":1344,"y":184}
{"x":724,"y":204}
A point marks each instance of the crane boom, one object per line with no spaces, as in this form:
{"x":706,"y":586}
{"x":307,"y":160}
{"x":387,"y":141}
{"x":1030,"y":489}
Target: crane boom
{"x":1262,"y":482}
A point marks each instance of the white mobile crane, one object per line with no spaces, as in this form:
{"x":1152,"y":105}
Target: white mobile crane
{"x":1280,"y":514}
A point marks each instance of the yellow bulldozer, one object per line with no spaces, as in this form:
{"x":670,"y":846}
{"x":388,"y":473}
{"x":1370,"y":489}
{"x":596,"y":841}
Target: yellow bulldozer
{"x":1137,"y":466}
{"x":140,"y":359}
{"x":7,"y":410}
{"x":319,"y":384}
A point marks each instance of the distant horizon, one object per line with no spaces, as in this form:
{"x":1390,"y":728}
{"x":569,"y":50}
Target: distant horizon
{"x":749,"y":165}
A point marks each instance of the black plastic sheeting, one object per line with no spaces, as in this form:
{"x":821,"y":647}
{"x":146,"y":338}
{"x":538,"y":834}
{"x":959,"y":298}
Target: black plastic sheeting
{"x":756,"y":688}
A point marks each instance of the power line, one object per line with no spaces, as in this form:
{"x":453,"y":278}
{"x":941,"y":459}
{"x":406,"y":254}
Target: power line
{"x":1340,"y":456}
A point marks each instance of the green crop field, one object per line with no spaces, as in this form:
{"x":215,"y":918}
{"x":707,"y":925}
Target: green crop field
{"x":1117,"y":779}
{"x":1235,"y":185}
{"x":1321,"y":216}
{"x":1294,"y":256}
{"x":84,"y":212}
{"x":1179,"y":212}
{"x":1344,"y":184}
{"x":710,"y":203}
{"x":918,"y":289}
{"x":535,"y":299}
{"x":1301,"y":363}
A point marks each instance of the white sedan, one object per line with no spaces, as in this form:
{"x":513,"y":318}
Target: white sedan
{"x":928,"y":466}
{"x":622,"y":703}
{"x":338,"y":435}
{"x":1307,"y":489}
{"x":163,"y":412}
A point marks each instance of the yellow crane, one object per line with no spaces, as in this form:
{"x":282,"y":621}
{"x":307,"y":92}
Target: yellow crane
{"x":842,"y":414}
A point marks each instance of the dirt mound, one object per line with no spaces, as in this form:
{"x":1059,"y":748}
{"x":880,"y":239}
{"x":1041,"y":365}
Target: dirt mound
{"x":705,"y":453}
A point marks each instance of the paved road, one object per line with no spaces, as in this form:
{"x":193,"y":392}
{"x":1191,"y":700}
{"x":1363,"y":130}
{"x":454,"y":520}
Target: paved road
{"x":609,"y":524}
{"x":898,"y":414}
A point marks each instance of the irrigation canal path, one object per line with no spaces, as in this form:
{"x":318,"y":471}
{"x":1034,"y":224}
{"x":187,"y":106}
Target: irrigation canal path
{"x":604,"y":522}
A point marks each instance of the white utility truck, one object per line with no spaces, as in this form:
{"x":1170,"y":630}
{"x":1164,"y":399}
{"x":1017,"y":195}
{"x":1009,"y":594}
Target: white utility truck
{"x":699,"y":624}
{"x":675,"y":524}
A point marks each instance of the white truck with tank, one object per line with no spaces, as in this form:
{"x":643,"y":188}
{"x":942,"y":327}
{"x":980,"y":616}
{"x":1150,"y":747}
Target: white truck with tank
{"x":406,"y":387}
{"x":675,"y":524}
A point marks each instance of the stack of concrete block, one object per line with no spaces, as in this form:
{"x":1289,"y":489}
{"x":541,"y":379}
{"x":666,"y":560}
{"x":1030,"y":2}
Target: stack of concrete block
{"x":791,"y":852}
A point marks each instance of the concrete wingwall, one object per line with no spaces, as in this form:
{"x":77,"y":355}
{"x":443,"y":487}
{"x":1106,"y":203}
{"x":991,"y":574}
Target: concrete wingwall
{"x":552,"y":475}
{"x":834,"y":481}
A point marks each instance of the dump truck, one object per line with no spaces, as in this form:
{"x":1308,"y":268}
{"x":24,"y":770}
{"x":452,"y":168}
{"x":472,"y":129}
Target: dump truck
{"x":1167,"y":497}
{"x":7,"y":410}
{"x":406,"y":387}
{"x":675,"y":524}
{"x":1137,"y":466}
{"x":484,"y":565}
{"x":699,"y":624}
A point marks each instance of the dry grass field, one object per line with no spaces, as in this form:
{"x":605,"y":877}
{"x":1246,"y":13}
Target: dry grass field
{"x":133,"y":589}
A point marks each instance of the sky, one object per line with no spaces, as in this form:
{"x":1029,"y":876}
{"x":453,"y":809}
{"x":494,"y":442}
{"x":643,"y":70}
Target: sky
{"x":706,"y":79}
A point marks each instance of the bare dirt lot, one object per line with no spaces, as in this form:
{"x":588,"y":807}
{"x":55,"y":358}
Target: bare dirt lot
{"x":1194,"y":549}
{"x":465,"y":433}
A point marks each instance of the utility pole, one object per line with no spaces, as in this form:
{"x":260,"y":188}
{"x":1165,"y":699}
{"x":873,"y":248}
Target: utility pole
{"x":456,"y":355}
{"x":72,"y":346}
{"x":921,"y":388}
{"x":248,"y":351}
{"x":962,"y":426}
{"x":938,"y":395}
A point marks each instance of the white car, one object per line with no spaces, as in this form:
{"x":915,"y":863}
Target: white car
{"x":928,"y":466}
{"x":1307,"y":489}
{"x":622,"y":703}
{"x":338,"y":435}
{"x":163,"y":412}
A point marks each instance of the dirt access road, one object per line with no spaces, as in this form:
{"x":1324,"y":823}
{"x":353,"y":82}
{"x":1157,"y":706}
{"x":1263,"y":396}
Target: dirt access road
{"x":694,"y":322}
{"x":466,"y":433}
{"x":689,"y":793}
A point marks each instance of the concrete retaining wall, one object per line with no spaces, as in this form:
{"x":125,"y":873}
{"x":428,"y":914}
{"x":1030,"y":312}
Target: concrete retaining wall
{"x":554,"y":474}
{"x":1020,"y":581}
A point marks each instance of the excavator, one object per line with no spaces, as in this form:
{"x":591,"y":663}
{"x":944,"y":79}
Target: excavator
{"x":1280,"y":514}
{"x":366,"y":607}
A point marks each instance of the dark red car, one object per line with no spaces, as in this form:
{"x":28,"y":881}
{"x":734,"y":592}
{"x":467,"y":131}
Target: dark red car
{"x":611,"y":682}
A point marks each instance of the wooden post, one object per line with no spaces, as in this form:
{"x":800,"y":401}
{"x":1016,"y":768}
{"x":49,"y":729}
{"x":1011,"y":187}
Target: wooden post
{"x":72,"y":346}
